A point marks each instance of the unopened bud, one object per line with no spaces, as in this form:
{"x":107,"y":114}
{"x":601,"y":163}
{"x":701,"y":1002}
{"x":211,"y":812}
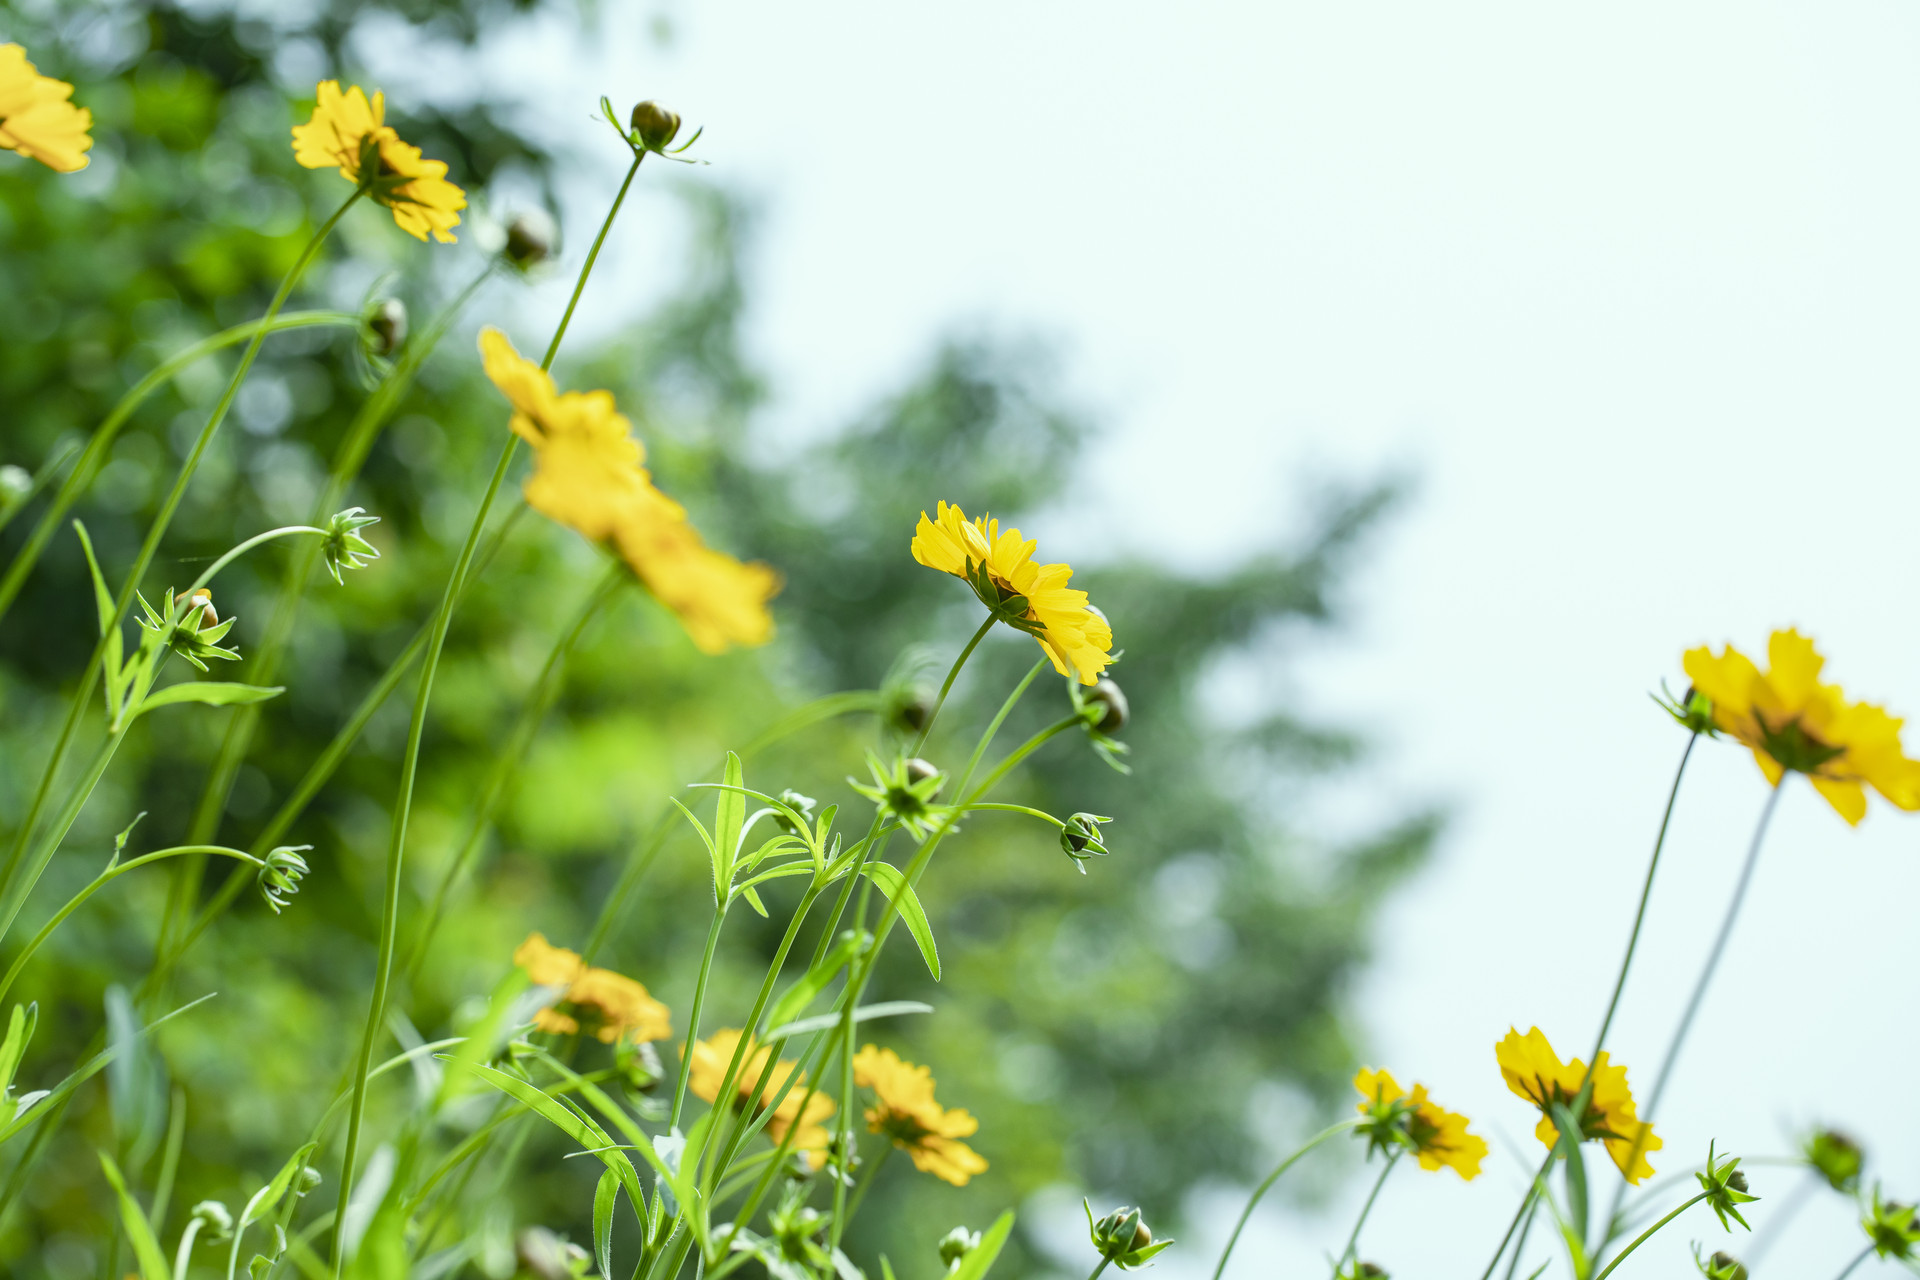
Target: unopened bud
{"x":1113,"y":703}
{"x":531,"y":236}
{"x":1737,"y":1180}
{"x":203,"y":600}
{"x":919,"y":770}
{"x":387,"y":326}
{"x":215,"y":1219}
{"x":1724,"y":1266}
{"x":654,"y":125}
{"x":957,"y":1244}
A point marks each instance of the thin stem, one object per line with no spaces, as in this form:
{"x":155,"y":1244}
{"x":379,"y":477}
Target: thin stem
{"x":1526,"y":1204}
{"x":185,"y":1252}
{"x":1260,"y":1191}
{"x":234,"y":553}
{"x":693,"y":1018}
{"x":1520,"y":1245}
{"x":953,"y":673}
{"x":1097,"y":1270}
{"x":1858,"y":1258}
{"x":1646,"y":1235}
{"x":410,"y":762}
{"x":1353,"y":1240}
{"x":1776,"y":1226}
{"x":867,"y":1179}
{"x":18,"y":887}
{"x":104,"y":435}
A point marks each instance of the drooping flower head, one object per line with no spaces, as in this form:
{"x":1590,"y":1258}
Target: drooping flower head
{"x":904,"y":1110}
{"x":1534,"y":1071}
{"x":35,"y":117}
{"x":797,"y":1111}
{"x":1030,"y":597}
{"x":348,"y":132}
{"x":616,"y":1009}
{"x":1437,"y":1137}
{"x":1793,"y":722}
{"x":588,"y":476}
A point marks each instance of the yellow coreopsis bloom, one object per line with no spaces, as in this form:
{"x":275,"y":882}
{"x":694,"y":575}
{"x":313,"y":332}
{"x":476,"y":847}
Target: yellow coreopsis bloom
{"x":1000,"y":568}
{"x":1534,"y":1071}
{"x":588,"y":476}
{"x":349,"y":132}
{"x":797,"y":1111}
{"x":35,"y":117}
{"x":1439,"y":1137}
{"x":616,"y":1007}
{"x":904,"y":1110}
{"x":1793,"y":722}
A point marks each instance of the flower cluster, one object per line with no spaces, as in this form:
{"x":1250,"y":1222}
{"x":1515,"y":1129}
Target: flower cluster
{"x":614,"y":1007}
{"x":588,"y":475}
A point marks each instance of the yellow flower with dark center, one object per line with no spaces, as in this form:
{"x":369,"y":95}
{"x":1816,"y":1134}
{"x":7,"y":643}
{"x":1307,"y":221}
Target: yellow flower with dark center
{"x":1437,"y":1137}
{"x":1031,"y":597}
{"x":797,"y":1111}
{"x":616,"y":1008}
{"x":904,"y":1110}
{"x":588,"y":476}
{"x":1793,"y":722}
{"x":349,"y":133}
{"x":1534,"y":1071}
{"x":35,"y":117}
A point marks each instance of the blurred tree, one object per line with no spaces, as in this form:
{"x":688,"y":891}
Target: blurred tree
{"x":1108,"y":1030}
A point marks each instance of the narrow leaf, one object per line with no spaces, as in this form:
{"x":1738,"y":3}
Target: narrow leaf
{"x":21,"y":1118}
{"x":975,"y":1264}
{"x":589,"y":1135}
{"x":605,"y":1197}
{"x":146,"y":1249}
{"x":894,"y":884}
{"x":729,"y":813}
{"x":215,"y":693}
{"x":865,"y":1013}
{"x":19,"y":1035}
{"x":262,"y":1204}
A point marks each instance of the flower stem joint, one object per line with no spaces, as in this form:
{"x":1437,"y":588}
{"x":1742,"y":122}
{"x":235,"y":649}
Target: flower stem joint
{"x":1725,"y":1187}
{"x":1122,"y":1237}
{"x":1892,"y":1228}
{"x":651,"y":127}
{"x":1080,"y":839}
{"x":1720,"y":1266}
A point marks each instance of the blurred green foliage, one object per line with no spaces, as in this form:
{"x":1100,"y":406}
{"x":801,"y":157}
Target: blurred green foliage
{"x":1108,"y":1030}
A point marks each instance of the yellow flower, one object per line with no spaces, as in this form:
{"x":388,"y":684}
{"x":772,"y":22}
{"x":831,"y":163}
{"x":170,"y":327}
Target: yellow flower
{"x":1792,"y":721}
{"x":1534,"y":1071}
{"x":617,"y":1007}
{"x":904,"y":1110}
{"x":348,"y":132}
{"x":796,"y":1111}
{"x":1075,"y":635}
{"x":1439,"y":1137}
{"x":588,"y":476}
{"x":35,"y":117}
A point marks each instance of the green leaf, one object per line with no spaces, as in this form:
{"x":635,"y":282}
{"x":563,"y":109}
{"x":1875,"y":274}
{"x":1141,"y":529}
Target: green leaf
{"x":605,"y":1197}
{"x":975,"y":1264}
{"x":115,"y":680}
{"x":894,"y":884}
{"x":146,"y":1249}
{"x":886,"y":1268}
{"x":20,"y":1027}
{"x":589,"y":1135}
{"x":865,"y":1013}
{"x":485,"y":1038}
{"x":1569,"y":1143}
{"x":794,"y":1001}
{"x":215,"y":693}
{"x":92,"y":1068}
{"x":729,"y":813}
{"x":752,"y":896}
{"x":262,"y":1204}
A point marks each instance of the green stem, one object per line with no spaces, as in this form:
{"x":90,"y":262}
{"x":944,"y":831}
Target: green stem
{"x":867,"y":1179}
{"x":410,"y":762}
{"x":1858,"y":1258}
{"x":1097,"y":1270}
{"x":104,"y":435}
{"x":18,"y":887}
{"x":1520,"y":1245}
{"x":1260,"y":1191}
{"x":1353,"y":1239}
{"x":1526,"y":1205}
{"x":953,"y":673}
{"x":1646,"y":1235}
{"x":100,"y":882}
{"x":693,"y":1018}
{"x":507,"y":760}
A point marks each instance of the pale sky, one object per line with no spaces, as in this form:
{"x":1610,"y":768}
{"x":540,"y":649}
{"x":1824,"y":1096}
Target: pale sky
{"x":1629,"y":290}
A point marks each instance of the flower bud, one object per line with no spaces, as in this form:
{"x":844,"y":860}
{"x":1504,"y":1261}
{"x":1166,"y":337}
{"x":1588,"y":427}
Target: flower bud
{"x":1358,"y":1270}
{"x":957,"y":1244}
{"x":308,"y":1179}
{"x":1722,"y":1266}
{"x":216,"y":1221}
{"x":386,"y":326}
{"x":919,"y":770}
{"x":1837,"y":1158}
{"x":344,"y":548}
{"x":1113,"y":703}
{"x":531,"y":236}
{"x":15,"y":484}
{"x":802,"y":805}
{"x":203,"y":600}
{"x":279,"y":879}
{"x":654,"y":125}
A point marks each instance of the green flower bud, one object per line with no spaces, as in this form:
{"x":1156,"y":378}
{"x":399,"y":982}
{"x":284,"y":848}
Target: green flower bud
{"x":1114,"y":712}
{"x":802,"y":805}
{"x":1123,"y":1237}
{"x":1357,"y":1270}
{"x":216,"y":1221}
{"x":654,"y":125}
{"x":531,"y":237}
{"x":956,"y":1245}
{"x":1721,"y":1266}
{"x":344,"y":547}
{"x":386,"y":326}
{"x":280,"y":878}
{"x":1837,"y":1158}
{"x":919,"y":771}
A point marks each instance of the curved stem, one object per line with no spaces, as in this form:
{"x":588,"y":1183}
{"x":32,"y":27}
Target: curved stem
{"x":1353,"y":1240}
{"x":98,"y":883}
{"x":185,"y":1252}
{"x":234,"y":553}
{"x":104,"y":435}
{"x":1260,"y":1191}
{"x":410,"y":762}
{"x":1646,"y":1235}
{"x":16,"y":885}
{"x":953,"y":673}
{"x":1097,"y":1270}
{"x":1858,"y":1258}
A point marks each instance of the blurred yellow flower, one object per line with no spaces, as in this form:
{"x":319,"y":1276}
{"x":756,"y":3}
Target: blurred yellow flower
{"x":1439,"y":1136}
{"x":616,"y":1007}
{"x":1534,"y":1071}
{"x":35,"y":117}
{"x":588,"y":476}
{"x":797,"y":1111}
{"x":348,"y":132}
{"x":904,"y":1110}
{"x":1793,"y":722}
{"x":999,"y":566}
